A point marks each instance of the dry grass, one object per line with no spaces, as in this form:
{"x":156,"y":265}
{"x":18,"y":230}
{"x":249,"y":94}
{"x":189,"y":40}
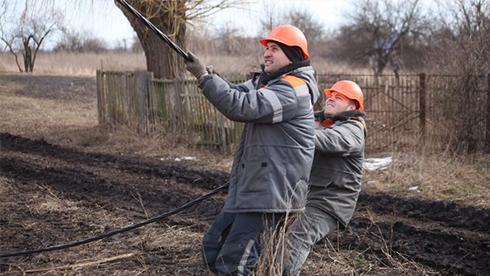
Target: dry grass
{"x":44,"y":114}
{"x":86,"y":64}
{"x":440,"y":176}
{"x":273,"y":248}
{"x":355,"y":262}
{"x":163,"y":146}
{"x":173,"y":249}
{"x":78,"y":64}
{"x":327,"y":258}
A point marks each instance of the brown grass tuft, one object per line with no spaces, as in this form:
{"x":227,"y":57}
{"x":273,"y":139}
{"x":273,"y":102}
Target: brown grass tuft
{"x":442,"y":176}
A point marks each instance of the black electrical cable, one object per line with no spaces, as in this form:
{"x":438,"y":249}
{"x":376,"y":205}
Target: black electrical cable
{"x":157,"y":31}
{"x":115,"y":231}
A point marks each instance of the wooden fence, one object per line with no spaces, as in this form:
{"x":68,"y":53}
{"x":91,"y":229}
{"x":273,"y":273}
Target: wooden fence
{"x":401,"y":111}
{"x":140,"y":102}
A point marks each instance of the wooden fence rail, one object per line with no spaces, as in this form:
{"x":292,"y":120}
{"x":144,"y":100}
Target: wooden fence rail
{"x":401,"y":111}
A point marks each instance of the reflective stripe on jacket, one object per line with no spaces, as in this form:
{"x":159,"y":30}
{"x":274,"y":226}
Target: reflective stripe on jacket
{"x":272,"y":163}
{"x":337,"y":168}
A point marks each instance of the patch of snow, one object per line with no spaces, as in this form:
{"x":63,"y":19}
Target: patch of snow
{"x":192,"y":158}
{"x":414,"y":189}
{"x":372,"y":164}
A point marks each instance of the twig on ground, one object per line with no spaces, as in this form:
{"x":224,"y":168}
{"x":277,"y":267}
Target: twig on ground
{"x":140,"y":200}
{"x":85,"y":264}
{"x":14,"y":272}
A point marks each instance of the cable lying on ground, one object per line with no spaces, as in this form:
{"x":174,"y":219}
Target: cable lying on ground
{"x":116,"y":231}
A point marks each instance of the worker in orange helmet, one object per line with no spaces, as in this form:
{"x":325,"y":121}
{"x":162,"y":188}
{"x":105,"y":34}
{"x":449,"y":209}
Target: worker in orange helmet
{"x":335,"y":179}
{"x":272,"y":164}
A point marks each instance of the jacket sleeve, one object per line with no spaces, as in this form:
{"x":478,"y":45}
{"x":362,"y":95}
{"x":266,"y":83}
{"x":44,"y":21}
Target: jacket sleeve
{"x":272,"y":104}
{"x":243,"y":87}
{"x":340,"y":139}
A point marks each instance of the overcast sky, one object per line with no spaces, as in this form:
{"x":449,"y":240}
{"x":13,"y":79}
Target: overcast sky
{"x":104,"y":20}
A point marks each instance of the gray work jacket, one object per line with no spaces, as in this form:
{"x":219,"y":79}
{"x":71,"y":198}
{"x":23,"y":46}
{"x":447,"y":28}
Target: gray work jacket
{"x":271,"y":166}
{"x":337,"y":168}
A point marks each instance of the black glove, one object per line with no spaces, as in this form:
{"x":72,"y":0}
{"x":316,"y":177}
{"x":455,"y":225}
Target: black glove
{"x":195,"y":67}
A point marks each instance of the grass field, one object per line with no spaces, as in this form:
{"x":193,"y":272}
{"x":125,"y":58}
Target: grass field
{"x":77,"y":64}
{"x":85,"y":64}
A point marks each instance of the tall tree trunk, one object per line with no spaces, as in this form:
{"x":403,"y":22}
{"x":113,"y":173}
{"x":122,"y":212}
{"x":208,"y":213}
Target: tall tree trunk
{"x":27,"y":57}
{"x":163,"y":61}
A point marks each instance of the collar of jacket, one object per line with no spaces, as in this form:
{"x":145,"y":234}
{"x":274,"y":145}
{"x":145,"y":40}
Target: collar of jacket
{"x":346,"y":115}
{"x":264,"y":77}
{"x":329,"y":120}
{"x":342,"y":116}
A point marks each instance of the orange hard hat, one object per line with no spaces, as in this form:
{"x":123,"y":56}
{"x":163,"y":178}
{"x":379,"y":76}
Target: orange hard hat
{"x":350,"y":90}
{"x":289,"y":36}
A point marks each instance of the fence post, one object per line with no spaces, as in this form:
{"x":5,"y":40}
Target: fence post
{"x":422,"y":105}
{"x":142,"y":86}
{"x":487,"y":139}
{"x":100,"y":90}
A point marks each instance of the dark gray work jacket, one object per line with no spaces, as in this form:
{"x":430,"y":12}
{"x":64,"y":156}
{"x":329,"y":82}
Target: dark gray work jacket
{"x":337,"y":168}
{"x":272,"y":164}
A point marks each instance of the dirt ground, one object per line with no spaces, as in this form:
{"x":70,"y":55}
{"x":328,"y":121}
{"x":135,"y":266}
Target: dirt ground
{"x":61,"y":180}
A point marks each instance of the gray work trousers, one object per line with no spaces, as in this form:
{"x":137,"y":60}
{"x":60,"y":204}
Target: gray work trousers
{"x":232,"y":244}
{"x":308,"y":228}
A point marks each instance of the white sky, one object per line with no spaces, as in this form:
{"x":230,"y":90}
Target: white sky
{"x":104,"y":20}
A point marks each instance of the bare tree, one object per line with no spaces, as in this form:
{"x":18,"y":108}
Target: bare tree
{"x":201,"y":40}
{"x":271,"y":18}
{"x":228,"y":39}
{"x":462,"y":41}
{"x":302,"y":19}
{"x":73,"y":41}
{"x":305,"y":21}
{"x":378,"y":28}
{"x":171,"y":17}
{"x":461,"y":46}
{"x":3,"y":9}
{"x":24,"y":35}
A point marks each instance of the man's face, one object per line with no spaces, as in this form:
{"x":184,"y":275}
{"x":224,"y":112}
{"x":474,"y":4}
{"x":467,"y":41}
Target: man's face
{"x":338,"y":103}
{"x":274,"y":58}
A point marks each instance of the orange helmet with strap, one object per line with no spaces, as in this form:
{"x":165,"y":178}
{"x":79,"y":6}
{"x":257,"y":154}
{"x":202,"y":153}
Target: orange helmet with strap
{"x":350,"y":90}
{"x":288,"y":35}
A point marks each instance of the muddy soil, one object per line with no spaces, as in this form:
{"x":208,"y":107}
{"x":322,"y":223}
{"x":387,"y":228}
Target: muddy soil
{"x":51,"y":194}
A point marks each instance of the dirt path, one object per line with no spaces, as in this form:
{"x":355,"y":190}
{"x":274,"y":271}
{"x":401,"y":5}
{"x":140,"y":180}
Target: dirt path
{"x":50,"y":195}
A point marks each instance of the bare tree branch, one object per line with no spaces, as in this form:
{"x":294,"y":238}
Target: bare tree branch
{"x":378,"y":28}
{"x":9,"y":46}
{"x":172,"y":18}
{"x":28,"y":32}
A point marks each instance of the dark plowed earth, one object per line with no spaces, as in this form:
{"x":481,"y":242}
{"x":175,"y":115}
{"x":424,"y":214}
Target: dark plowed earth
{"x":446,"y":237}
{"x":448,"y":213}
